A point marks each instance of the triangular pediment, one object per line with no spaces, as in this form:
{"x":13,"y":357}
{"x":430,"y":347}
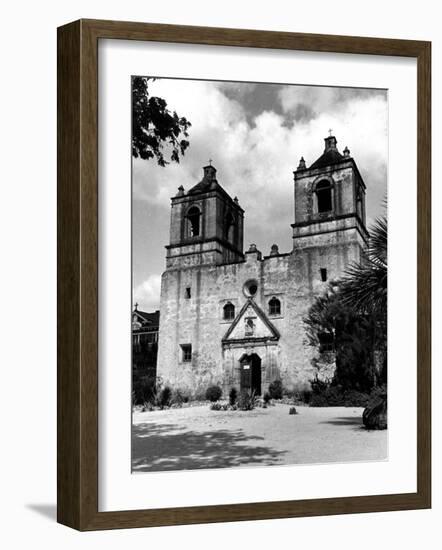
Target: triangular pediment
{"x":251,"y":323}
{"x":140,"y":318}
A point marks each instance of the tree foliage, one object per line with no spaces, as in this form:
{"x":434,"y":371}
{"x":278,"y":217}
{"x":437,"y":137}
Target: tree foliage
{"x":156,"y":131}
{"x":352,"y":335}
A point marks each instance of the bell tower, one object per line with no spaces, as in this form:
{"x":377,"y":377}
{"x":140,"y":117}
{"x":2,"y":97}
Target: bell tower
{"x":330,"y":212}
{"x":206,"y":225}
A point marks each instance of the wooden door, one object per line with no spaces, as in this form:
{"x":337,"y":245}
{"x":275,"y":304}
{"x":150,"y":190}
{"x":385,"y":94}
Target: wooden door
{"x":246,"y":375}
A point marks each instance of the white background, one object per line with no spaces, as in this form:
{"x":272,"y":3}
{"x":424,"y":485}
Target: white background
{"x":118,"y":489}
{"x":27,"y":300}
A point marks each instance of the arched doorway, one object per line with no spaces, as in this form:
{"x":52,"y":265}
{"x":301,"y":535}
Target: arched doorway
{"x":251,"y":373}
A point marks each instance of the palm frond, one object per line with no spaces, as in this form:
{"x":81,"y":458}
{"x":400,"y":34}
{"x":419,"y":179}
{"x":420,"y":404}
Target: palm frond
{"x":378,"y":243}
{"x":364,"y":286}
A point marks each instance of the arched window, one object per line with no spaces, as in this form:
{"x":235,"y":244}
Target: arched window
{"x":193,"y":222}
{"x":229,"y":312}
{"x":228,"y":227}
{"x":274,"y":306}
{"x":324,"y":196}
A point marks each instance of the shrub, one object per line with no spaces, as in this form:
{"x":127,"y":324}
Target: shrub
{"x":305,"y":396}
{"x":335,"y":396}
{"x":214,"y":393}
{"x":217,"y":406}
{"x":143,"y":389}
{"x":267,"y":398}
{"x":199,"y":394}
{"x":247,"y":400}
{"x":164,"y":397}
{"x":179,"y":396}
{"x":354,"y":398}
{"x":319,"y":386}
{"x":302,"y":396}
{"x":319,"y":400}
{"x":233,"y":396}
{"x":275,"y":389}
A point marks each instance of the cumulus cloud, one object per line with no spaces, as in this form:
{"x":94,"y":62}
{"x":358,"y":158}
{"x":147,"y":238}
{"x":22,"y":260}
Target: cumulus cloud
{"x":147,"y":293}
{"x":255,"y":135}
{"x":308,"y":102}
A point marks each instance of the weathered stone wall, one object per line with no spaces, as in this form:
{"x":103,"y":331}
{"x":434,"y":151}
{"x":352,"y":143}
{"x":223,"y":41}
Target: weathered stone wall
{"x":293,"y":278}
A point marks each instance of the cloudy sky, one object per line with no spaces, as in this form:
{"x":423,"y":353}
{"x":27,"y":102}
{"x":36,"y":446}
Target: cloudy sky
{"x":255,"y":134}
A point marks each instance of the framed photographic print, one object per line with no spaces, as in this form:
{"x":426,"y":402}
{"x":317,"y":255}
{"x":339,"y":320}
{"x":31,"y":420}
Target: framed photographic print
{"x":243,"y":275}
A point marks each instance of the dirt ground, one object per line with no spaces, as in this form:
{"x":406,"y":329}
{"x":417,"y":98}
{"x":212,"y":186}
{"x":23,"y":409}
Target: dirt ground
{"x":196,"y":437}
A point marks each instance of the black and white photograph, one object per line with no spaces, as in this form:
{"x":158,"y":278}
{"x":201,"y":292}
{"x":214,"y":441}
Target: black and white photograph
{"x":223,"y":227}
{"x":259,"y":274}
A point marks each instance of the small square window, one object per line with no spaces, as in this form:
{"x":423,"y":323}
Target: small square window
{"x":188,"y":293}
{"x":186,"y":353}
{"x":323,"y":274}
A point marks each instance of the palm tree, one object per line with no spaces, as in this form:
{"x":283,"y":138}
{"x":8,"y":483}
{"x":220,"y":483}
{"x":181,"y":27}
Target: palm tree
{"x":364,"y":288}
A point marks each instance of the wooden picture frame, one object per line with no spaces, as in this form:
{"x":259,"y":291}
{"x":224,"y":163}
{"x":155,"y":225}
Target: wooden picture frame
{"x":78,"y":274}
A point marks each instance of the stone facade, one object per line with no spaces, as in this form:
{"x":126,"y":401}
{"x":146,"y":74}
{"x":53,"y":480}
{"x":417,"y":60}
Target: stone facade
{"x":236,"y":319}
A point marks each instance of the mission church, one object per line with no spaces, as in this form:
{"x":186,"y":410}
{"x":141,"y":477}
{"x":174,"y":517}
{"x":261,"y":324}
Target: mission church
{"x":235,"y":318}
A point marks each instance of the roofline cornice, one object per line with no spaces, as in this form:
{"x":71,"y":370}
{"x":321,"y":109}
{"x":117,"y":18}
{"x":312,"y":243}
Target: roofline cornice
{"x":341,"y":165}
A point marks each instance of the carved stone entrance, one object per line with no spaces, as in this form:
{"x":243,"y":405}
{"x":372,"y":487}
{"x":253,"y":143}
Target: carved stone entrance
{"x":251,"y":373}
